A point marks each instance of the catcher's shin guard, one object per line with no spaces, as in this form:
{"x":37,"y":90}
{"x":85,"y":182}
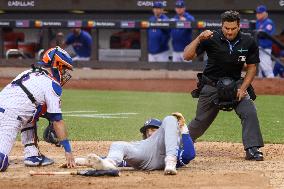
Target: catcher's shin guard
{"x":29,"y":140}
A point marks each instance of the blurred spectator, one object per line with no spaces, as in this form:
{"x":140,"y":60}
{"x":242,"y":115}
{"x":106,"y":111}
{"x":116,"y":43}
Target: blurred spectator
{"x":278,"y":67}
{"x":265,"y":24}
{"x":275,"y":48}
{"x":181,"y":37}
{"x":81,"y":41}
{"x":158,"y":39}
{"x":58,"y":40}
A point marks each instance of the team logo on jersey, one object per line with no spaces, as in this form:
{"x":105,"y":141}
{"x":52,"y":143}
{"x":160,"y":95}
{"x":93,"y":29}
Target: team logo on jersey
{"x":269,"y":27}
{"x":243,"y":50}
{"x":242,"y":59}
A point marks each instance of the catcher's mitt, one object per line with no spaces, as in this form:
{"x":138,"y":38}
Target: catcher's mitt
{"x":50,"y":136}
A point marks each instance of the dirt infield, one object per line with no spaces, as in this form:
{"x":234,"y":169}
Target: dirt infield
{"x":217,"y":165}
{"x":262,"y":86}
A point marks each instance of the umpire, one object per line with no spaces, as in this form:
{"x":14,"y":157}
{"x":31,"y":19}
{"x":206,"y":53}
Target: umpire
{"x":221,"y":87}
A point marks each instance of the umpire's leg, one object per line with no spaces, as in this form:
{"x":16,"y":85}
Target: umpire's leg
{"x":206,"y":112}
{"x":250,"y":125}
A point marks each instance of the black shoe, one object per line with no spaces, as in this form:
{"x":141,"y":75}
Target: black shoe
{"x":254,"y":154}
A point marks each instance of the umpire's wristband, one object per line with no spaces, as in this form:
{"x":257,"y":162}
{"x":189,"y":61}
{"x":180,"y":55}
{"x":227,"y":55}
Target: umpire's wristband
{"x":66,"y":145}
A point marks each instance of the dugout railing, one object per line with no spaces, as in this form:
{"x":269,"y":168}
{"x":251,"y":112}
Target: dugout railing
{"x":96,"y":25}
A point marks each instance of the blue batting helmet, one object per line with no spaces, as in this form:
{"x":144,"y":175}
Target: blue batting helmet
{"x":156,"y":123}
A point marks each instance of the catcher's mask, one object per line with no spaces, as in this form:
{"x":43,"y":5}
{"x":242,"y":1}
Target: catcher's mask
{"x":60,"y":63}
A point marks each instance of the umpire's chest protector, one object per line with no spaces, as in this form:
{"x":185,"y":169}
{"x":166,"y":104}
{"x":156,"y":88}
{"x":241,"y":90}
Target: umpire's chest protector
{"x":226,"y":58}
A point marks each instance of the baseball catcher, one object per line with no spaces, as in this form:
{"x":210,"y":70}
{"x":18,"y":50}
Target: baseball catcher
{"x":22,"y":101}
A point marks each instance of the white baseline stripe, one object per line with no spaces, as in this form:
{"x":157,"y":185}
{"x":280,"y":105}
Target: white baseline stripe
{"x":79,"y":111}
{"x":104,"y":116}
{"x":108,"y":114}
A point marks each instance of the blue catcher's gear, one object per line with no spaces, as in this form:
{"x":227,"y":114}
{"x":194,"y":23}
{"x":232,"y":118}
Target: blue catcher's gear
{"x":3,"y":162}
{"x":59,"y":61}
{"x":150,"y":124}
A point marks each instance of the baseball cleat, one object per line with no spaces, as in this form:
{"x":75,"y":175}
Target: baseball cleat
{"x":171,"y":163}
{"x":254,"y":154}
{"x":101,"y":164}
{"x":35,"y":161}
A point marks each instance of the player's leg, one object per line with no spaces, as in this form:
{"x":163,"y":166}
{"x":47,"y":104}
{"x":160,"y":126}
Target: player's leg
{"x":132,"y":152}
{"x":170,"y":126}
{"x":252,"y":137}
{"x":163,"y":56}
{"x":118,"y":152}
{"x":176,"y":57}
{"x":9,"y":128}
{"x":151,"y":58}
{"x":267,"y":64}
{"x":206,"y":112}
{"x":31,"y":152}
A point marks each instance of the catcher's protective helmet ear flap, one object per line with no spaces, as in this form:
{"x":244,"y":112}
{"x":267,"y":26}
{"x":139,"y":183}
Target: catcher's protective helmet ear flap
{"x":59,"y":61}
{"x":155,"y":123}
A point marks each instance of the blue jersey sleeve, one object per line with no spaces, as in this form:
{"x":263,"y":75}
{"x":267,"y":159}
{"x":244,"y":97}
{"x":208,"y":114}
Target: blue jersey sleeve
{"x":187,"y":152}
{"x":269,"y":27}
{"x":87,"y":39}
{"x":189,"y":17}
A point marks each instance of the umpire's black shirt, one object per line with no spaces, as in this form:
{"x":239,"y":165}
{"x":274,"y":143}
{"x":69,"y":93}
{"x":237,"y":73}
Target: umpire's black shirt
{"x":226,"y":58}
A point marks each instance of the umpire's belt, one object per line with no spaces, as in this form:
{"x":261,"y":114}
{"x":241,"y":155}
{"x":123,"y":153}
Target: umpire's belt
{"x":207,"y":81}
{"x":2,"y":110}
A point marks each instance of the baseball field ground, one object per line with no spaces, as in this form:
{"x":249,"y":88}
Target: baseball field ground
{"x":97,"y":117}
{"x":118,"y":115}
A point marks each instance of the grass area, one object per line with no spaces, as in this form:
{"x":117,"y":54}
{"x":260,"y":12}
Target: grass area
{"x":226,"y":127}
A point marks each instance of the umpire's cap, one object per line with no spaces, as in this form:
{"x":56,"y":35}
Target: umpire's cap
{"x":156,"y":123}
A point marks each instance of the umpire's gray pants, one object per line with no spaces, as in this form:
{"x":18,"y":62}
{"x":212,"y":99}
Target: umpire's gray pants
{"x":206,"y":113}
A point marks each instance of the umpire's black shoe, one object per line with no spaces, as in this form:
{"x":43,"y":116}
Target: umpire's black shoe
{"x":254,"y":154}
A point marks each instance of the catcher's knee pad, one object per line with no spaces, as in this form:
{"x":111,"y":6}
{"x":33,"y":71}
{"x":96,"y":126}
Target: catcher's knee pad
{"x":3,"y":162}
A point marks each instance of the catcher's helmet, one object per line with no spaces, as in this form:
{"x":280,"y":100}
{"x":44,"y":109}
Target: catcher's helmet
{"x":156,"y":123}
{"x":59,"y":61}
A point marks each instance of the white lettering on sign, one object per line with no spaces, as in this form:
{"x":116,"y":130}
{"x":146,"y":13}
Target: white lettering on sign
{"x":212,"y":24}
{"x":21,"y":3}
{"x":51,"y":23}
{"x":109,"y":24}
{"x":149,"y":3}
{"x":4,"y":23}
{"x":159,"y":24}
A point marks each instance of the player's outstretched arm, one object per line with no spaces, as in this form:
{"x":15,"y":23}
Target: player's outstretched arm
{"x":61,"y":133}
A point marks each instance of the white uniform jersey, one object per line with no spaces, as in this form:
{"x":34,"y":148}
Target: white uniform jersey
{"x":41,"y":86}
